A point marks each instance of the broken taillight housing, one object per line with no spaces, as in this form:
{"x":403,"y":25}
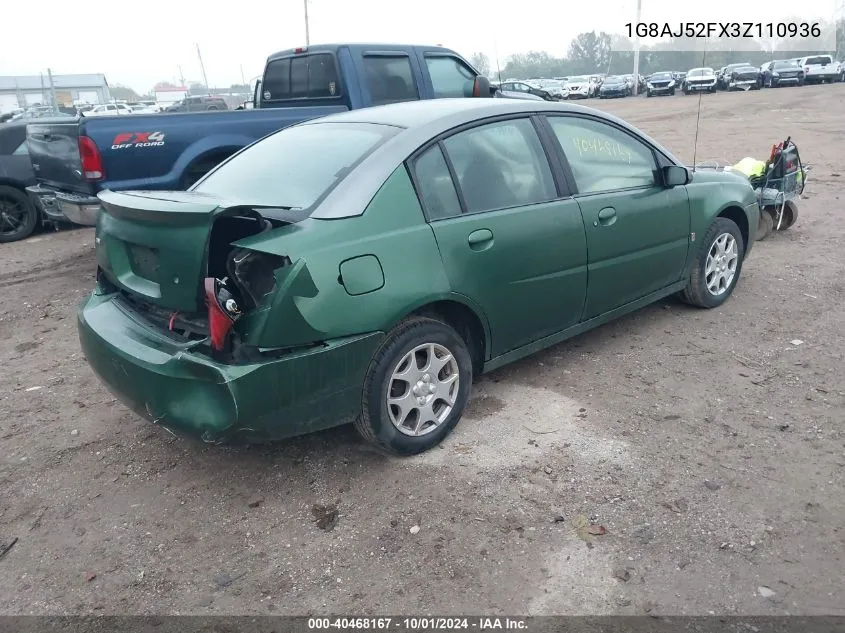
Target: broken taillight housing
{"x":223,"y":311}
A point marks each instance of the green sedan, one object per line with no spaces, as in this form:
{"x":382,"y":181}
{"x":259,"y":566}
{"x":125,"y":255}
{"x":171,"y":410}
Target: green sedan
{"x":365,"y":267}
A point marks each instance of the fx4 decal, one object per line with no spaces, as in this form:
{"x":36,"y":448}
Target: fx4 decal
{"x":138,"y":139}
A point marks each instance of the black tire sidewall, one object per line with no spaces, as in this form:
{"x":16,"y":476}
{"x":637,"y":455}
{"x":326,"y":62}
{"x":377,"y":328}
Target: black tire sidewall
{"x":30,"y":219}
{"x":396,"y":346}
{"x":720,"y":226}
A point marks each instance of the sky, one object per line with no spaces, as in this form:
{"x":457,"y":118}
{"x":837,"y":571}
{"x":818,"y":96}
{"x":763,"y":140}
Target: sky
{"x":138,"y":44}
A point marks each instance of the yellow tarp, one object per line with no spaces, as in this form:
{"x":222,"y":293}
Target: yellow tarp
{"x":750,"y":167}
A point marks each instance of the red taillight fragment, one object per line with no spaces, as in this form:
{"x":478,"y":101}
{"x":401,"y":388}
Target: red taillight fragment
{"x":92,"y":161}
{"x":220,"y":322}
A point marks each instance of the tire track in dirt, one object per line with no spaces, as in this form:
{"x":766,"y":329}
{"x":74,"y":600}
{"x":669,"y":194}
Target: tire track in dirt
{"x":66,"y":267}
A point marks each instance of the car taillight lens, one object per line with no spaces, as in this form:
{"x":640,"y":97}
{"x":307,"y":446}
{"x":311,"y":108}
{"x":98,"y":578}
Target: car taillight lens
{"x":220,"y":322}
{"x":92,"y":161}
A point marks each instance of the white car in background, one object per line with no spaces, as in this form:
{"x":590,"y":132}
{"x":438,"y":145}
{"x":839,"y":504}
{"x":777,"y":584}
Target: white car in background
{"x":109,"y":109}
{"x":555,"y":88}
{"x":581,"y":87}
{"x":820,"y":68}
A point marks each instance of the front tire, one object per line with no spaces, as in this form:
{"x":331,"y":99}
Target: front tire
{"x":717,"y":267}
{"x":416,"y":387}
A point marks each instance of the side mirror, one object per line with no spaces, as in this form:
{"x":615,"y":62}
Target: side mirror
{"x":674,"y":175}
{"x":481,"y":87}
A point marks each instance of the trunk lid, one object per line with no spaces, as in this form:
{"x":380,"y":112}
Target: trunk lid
{"x":54,"y":154}
{"x":154,"y":244}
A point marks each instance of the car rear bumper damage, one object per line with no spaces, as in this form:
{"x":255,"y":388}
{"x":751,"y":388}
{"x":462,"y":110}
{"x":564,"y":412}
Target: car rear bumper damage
{"x":64,"y":206}
{"x":176,"y":385}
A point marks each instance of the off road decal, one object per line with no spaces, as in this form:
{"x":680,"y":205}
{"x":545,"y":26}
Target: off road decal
{"x":138,"y":139}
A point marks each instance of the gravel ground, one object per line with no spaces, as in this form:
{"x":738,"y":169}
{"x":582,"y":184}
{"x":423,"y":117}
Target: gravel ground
{"x":708,"y":444}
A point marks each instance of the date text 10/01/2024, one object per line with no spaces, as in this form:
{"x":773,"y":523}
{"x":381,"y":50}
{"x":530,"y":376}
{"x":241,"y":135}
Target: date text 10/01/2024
{"x":724,"y":29}
{"x":417,"y":623}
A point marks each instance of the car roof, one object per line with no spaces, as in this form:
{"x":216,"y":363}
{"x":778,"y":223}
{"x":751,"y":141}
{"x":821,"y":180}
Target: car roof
{"x":445,"y":113}
{"x":421,"y":121}
{"x":352,"y":46}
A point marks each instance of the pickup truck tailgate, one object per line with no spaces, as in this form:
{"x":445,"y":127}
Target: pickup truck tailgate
{"x":54,"y":153}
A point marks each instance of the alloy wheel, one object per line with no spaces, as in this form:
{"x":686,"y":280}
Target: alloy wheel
{"x":423,"y":389}
{"x":720,"y":268}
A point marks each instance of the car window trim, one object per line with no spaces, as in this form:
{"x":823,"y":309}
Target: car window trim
{"x":657,"y":156}
{"x":410,"y":163}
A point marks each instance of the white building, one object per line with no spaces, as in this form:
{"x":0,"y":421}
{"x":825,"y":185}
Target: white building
{"x":28,"y":90}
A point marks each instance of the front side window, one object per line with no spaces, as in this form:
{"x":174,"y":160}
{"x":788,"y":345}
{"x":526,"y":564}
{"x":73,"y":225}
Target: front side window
{"x":449,"y":77}
{"x":602,"y":157}
{"x":295,"y":167}
{"x":501,"y":165}
{"x":435,"y":186}
{"x":21,"y":150}
{"x":299,"y":77}
{"x":390,"y":79}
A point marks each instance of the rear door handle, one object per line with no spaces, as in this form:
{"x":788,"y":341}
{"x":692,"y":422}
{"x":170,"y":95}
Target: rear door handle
{"x":480,"y":240}
{"x":607,"y":216}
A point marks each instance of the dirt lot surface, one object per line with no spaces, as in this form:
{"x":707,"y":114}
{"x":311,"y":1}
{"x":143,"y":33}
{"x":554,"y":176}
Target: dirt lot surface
{"x":709,"y":444}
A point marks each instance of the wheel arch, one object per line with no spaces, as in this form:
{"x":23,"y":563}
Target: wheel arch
{"x":465,"y":317}
{"x":737,"y":215}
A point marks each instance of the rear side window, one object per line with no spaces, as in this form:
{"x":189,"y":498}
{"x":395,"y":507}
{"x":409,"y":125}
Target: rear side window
{"x":301,"y":77}
{"x":500,"y":165}
{"x":295,"y":167}
{"x":435,"y":185}
{"x":390,"y":79}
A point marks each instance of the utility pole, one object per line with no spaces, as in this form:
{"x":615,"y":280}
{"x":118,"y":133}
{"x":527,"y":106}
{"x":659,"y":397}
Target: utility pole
{"x":307,"y":34}
{"x":181,"y":77}
{"x":52,"y":90}
{"x":637,"y":49}
{"x":202,"y":67}
{"x":243,"y":80}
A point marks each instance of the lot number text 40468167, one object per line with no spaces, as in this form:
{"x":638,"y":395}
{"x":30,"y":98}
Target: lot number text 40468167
{"x":723,"y":29}
{"x":425,"y":623}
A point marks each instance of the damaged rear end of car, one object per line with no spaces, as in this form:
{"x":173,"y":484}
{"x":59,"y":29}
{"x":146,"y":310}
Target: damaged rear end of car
{"x":207,"y":317}
{"x":177,"y":325}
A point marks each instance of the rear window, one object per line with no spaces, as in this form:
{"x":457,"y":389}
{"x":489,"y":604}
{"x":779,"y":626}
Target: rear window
{"x":819,"y":59}
{"x":301,"y":77}
{"x":295,"y":167}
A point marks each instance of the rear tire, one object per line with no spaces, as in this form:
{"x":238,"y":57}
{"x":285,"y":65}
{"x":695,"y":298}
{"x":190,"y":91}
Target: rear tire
{"x":711,"y":287}
{"x":380,"y":421}
{"x":18,"y":216}
{"x":790,"y":216}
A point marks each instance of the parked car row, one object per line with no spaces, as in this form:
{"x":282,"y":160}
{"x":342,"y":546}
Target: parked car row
{"x":736,"y":76}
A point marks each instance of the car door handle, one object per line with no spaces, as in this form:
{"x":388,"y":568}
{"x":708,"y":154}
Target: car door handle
{"x":480,"y":240}
{"x":607,"y":216}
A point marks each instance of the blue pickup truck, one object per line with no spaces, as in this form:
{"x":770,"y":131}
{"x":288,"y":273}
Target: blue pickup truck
{"x":76,"y":158}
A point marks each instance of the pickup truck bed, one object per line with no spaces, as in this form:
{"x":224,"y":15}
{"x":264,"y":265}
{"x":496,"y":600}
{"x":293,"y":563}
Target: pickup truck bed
{"x":174,"y":149}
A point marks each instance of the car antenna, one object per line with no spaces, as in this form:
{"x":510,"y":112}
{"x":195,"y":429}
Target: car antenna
{"x":698,"y":114}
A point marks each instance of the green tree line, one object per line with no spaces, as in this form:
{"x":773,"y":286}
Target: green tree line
{"x":602,"y":53}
